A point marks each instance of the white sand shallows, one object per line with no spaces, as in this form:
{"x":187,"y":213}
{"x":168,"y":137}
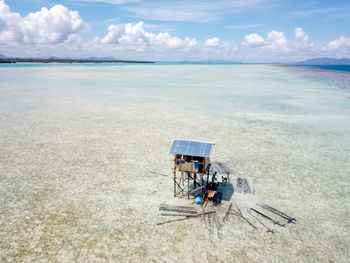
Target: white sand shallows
{"x":77,"y":143}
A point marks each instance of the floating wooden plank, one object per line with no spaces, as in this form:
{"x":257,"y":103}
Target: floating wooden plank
{"x":279,"y":213}
{"x":172,"y":207}
{"x":179,"y":210}
{"x":246,"y":186}
{"x":212,"y":225}
{"x":242,"y":185}
{"x":240,"y":214}
{"x":239,"y":185}
{"x":269,"y":218}
{"x":177,"y":206}
{"x":170,"y":221}
{"x":185,"y":218}
{"x":171,"y":214}
{"x":268,"y":230}
{"x":201,"y":214}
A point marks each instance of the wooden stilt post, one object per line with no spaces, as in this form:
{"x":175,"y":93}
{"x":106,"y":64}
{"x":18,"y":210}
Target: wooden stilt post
{"x":188,"y":185}
{"x":174,"y":183}
{"x":174,"y":176}
{"x":202,"y":185}
{"x":208,"y":177}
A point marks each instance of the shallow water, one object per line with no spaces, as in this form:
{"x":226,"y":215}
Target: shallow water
{"x":78,"y":142}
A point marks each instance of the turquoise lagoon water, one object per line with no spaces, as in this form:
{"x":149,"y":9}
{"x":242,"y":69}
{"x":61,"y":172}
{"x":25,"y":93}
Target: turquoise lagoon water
{"x":78,"y":143}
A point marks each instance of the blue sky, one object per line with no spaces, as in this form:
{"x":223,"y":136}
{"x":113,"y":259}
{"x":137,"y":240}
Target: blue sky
{"x":244,"y":30}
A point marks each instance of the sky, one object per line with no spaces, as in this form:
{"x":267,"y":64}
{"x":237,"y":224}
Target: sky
{"x":177,"y":30}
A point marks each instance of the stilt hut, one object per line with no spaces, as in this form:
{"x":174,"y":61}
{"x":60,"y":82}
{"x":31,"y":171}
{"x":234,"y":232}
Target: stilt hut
{"x":191,"y":164}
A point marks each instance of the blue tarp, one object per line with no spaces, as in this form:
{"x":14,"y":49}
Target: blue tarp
{"x":192,"y":148}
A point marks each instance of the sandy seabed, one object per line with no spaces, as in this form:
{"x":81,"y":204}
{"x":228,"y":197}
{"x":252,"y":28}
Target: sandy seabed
{"x":77,"y":144}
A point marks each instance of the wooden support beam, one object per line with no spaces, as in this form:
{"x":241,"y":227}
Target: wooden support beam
{"x":179,"y":186}
{"x":195,"y":190}
{"x":227,"y":212}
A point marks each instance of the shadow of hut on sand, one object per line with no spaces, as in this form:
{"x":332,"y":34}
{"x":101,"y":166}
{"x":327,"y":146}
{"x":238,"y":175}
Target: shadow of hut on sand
{"x":227,"y":190}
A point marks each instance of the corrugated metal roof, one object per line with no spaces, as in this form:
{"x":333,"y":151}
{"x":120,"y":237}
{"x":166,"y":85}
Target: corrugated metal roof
{"x":192,"y":148}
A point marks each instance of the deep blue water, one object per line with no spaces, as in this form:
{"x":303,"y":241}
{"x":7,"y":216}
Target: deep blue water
{"x":342,"y":68}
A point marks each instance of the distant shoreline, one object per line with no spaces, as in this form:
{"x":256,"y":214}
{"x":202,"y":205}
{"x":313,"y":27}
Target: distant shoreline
{"x":39,"y":60}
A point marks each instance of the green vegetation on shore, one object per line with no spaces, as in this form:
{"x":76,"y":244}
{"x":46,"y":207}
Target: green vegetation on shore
{"x":59,"y":60}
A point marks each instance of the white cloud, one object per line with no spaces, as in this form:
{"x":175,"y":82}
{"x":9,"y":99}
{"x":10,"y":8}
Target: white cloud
{"x":254,"y":40}
{"x":131,"y":37}
{"x":277,"y":42}
{"x":134,"y":36}
{"x":56,"y":31}
{"x":340,"y":43}
{"x":114,"y":33}
{"x":227,"y":48}
{"x":277,"y":45}
{"x":214,"y":46}
{"x":302,"y":40}
{"x":299,"y":34}
{"x":339,"y":47}
{"x":212,"y":42}
{"x":52,"y":26}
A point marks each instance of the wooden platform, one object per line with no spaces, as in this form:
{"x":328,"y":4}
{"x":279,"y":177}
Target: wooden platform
{"x":220,"y":168}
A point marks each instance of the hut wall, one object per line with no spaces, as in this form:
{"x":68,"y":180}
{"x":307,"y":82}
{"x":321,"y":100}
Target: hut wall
{"x":193,"y":164}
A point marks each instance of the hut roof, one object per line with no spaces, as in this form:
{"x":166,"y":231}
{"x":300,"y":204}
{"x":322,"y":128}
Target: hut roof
{"x":191,"y":148}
